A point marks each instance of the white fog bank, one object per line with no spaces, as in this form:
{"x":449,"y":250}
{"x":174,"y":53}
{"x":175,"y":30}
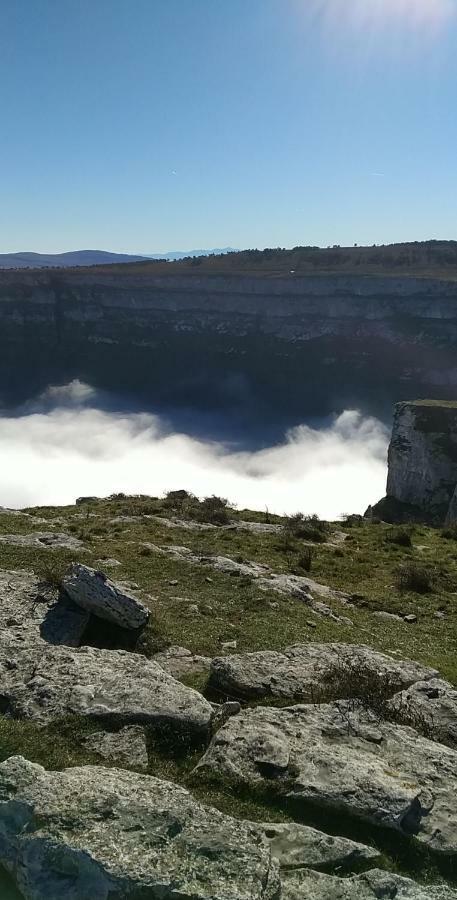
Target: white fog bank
{"x":70,"y":448}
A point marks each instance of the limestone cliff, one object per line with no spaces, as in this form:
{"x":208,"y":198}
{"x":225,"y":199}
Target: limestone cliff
{"x":422,"y":462}
{"x":308,"y":344}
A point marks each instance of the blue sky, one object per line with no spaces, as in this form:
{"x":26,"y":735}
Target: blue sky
{"x":140,"y":125}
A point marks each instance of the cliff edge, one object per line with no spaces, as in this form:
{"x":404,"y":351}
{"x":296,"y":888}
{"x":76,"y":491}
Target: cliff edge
{"x":422,"y":463}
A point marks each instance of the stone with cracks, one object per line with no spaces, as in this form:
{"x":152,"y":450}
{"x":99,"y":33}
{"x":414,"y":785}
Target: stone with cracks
{"x":94,"y":592}
{"x":434,"y":704}
{"x":46,"y":683}
{"x":373,"y":885}
{"x":43,"y":539}
{"x":327,"y":755}
{"x":296,"y":673}
{"x":102,"y":834}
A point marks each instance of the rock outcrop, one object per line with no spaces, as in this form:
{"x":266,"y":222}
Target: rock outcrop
{"x":422,"y":463}
{"x":46,"y":683}
{"x":102,"y":833}
{"x":299,"y":672}
{"x":385,"y":774}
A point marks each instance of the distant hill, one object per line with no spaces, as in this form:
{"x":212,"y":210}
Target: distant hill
{"x":95,"y":258}
{"x":74,"y":258}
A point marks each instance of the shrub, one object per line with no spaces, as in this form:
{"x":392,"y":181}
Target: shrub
{"x":399,"y":536}
{"x":414,"y":577}
{"x":449,"y":533}
{"x":305,"y":560}
{"x":213,"y":510}
{"x":52,"y":573}
{"x":309,"y":528}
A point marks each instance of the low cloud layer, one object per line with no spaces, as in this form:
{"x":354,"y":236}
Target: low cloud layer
{"x":64,"y":446}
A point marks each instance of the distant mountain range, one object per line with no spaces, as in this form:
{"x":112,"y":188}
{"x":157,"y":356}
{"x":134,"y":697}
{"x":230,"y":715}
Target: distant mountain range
{"x":181,"y":254}
{"x":90,"y":258}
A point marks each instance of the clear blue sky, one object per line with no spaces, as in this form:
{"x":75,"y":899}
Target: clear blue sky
{"x":139,"y":125}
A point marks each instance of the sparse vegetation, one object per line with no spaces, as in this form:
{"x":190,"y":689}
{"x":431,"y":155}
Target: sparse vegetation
{"x":306,"y":528}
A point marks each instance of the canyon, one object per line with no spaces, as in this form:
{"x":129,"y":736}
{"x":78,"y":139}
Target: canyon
{"x":287,"y":345}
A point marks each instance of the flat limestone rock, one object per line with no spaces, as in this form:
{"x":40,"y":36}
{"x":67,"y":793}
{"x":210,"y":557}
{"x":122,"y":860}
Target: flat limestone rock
{"x":126,"y":747}
{"x":297,"y":846}
{"x":180,"y":662}
{"x":296,"y":672}
{"x":51,"y":540}
{"x":94,"y":592}
{"x":434,"y":703}
{"x":373,"y":885}
{"x":101,"y":833}
{"x":46,"y":683}
{"x":385,"y":774}
{"x":33,"y":610}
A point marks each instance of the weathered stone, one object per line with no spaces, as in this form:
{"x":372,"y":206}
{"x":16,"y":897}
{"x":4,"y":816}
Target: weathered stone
{"x":94,"y":592}
{"x":433,"y":704}
{"x":47,"y":683}
{"x":101,"y":833}
{"x":373,"y":885}
{"x":382,"y":773}
{"x":125,"y":748}
{"x":299,"y":846}
{"x":296,"y":673}
{"x":180,"y":662}
{"x":50,"y":540}
{"x":33,"y":610}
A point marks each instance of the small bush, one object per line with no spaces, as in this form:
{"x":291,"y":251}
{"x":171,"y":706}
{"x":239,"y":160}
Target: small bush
{"x":308,"y":528}
{"x":414,"y":577}
{"x":449,"y":533}
{"x":399,"y":536}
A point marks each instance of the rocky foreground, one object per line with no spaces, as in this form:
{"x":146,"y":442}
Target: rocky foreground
{"x":334,"y":742}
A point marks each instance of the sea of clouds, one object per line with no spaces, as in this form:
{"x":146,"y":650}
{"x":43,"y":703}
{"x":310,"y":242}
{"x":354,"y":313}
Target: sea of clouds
{"x":64,"y":445}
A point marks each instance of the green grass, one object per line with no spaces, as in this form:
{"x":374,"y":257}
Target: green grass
{"x":365,"y":565}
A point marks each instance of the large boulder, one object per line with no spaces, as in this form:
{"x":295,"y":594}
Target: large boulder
{"x":94,"y":592}
{"x":374,"y":885}
{"x":299,"y":672}
{"x":102,"y":833}
{"x":385,"y":774}
{"x":46,"y":683}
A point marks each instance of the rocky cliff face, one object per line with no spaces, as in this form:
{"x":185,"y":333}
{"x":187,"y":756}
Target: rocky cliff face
{"x":422,"y":470}
{"x":303,"y":344}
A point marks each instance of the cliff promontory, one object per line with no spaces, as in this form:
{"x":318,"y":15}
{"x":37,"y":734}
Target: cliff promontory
{"x":422,"y":473}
